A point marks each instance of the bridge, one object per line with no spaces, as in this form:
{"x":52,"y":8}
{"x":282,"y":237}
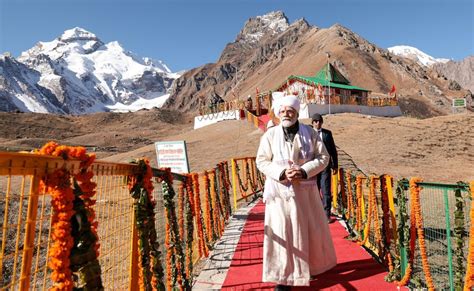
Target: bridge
{"x":69,"y":220}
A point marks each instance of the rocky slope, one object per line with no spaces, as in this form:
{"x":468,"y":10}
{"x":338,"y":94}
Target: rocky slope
{"x":462,"y":72}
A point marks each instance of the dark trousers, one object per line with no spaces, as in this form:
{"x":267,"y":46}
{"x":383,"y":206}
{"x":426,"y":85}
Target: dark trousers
{"x":324,"y":186}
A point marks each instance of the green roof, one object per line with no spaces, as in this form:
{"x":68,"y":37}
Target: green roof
{"x":334,"y":75}
{"x":315,"y":81}
{"x":336,"y":79}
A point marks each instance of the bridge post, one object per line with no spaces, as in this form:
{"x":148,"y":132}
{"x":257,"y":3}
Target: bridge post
{"x":30,"y":233}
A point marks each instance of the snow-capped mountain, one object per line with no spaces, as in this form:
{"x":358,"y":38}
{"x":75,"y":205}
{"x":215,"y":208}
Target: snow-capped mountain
{"x":415,"y":55}
{"x":77,"y":73}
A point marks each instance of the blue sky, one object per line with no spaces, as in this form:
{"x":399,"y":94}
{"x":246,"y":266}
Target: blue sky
{"x":187,"y":34}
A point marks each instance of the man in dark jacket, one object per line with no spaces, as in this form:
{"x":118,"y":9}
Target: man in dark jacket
{"x":324,"y":178}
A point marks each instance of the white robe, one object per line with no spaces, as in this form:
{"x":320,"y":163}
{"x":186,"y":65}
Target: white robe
{"x":297,"y":242}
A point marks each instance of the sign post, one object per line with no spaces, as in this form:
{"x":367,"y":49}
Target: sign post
{"x":458,"y":103}
{"x":172,"y":154}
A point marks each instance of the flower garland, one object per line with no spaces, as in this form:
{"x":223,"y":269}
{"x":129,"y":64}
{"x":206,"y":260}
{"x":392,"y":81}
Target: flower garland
{"x":75,"y":236}
{"x":359,"y":202}
{"x":469,"y":278}
{"x":174,"y":245}
{"x":203,"y":250}
{"x":386,"y":235}
{"x":459,"y":237}
{"x":343,"y":188}
{"x":250,"y":174}
{"x":208,"y":210}
{"x":189,"y":226}
{"x":416,"y":206}
{"x":369,"y":211}
{"x":403,"y":235}
{"x":220,"y":185}
{"x":181,"y":210}
{"x":59,"y":185}
{"x":242,"y":187}
{"x":141,"y":190}
{"x":350,"y":207}
{"x":375,"y":209}
{"x":218,"y":213}
{"x":226,"y":182}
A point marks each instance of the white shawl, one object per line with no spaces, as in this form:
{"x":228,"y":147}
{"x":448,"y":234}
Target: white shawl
{"x":303,"y":148}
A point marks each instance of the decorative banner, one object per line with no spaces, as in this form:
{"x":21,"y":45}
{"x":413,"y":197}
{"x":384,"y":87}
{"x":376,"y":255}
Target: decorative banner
{"x":172,"y":154}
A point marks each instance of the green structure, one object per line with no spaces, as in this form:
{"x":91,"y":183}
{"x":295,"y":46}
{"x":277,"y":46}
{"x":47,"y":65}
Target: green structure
{"x":327,"y":86}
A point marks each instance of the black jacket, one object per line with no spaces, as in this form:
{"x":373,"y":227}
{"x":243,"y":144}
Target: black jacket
{"x":331,"y":148}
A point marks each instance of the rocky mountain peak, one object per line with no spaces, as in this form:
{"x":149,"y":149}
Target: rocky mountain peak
{"x":255,"y":28}
{"x":302,"y":22}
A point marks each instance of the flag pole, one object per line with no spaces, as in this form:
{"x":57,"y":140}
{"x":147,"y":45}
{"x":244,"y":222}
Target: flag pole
{"x":329,"y":82}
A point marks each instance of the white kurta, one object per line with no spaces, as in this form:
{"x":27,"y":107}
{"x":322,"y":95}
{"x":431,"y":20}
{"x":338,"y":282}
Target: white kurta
{"x":297,"y":242}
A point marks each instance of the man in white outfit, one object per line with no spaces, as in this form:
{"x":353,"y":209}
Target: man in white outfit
{"x":297,"y":242}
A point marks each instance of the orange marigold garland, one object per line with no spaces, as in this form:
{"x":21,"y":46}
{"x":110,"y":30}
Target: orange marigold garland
{"x":84,"y":251}
{"x":59,"y":186}
{"x":469,"y":278}
{"x":416,"y":205}
{"x":208,"y":208}
{"x":203,"y":250}
{"x":141,"y":189}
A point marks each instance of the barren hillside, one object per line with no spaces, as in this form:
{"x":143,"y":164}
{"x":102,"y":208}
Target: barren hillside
{"x":439,"y":149}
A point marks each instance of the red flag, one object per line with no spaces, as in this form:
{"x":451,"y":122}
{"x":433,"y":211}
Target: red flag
{"x":393,"y":90}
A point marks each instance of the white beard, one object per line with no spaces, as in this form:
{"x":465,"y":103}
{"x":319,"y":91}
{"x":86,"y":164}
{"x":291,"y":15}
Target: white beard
{"x":288,"y":123}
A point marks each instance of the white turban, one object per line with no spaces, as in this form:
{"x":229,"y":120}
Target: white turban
{"x":288,"y":100}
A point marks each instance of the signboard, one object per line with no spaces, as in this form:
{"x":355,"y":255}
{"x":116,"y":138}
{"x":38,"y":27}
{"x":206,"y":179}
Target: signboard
{"x":172,"y":154}
{"x":459,"y":102}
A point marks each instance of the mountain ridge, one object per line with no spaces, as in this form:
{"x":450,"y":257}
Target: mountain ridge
{"x":301,"y":50}
{"x":84,"y":75}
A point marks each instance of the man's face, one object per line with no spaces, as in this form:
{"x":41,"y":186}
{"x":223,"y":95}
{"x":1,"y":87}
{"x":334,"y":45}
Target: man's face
{"x":317,"y":124}
{"x":288,"y":116}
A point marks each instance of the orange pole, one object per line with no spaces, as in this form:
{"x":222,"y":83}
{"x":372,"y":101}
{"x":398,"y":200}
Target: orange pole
{"x":134,"y":268}
{"x":29,"y":234}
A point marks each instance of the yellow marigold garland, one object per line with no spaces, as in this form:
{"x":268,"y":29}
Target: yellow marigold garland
{"x":369,"y":211}
{"x":359,"y":202}
{"x":350,"y":199}
{"x":469,"y":278}
{"x":386,"y":227}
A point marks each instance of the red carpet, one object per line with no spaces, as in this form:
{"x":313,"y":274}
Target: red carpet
{"x":355,"y":270}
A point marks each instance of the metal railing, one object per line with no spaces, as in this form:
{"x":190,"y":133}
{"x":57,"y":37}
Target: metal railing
{"x":26,"y":216}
